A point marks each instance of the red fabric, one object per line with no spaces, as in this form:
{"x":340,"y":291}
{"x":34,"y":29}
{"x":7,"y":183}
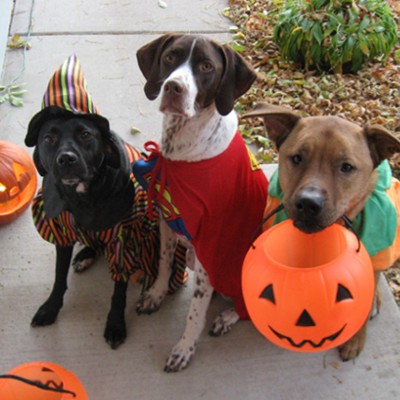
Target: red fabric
{"x":221,"y":201}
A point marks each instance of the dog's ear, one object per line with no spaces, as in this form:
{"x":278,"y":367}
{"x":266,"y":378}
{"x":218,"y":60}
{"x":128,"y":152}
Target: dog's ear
{"x":278,"y":121}
{"x":237,"y":78}
{"x":115,"y":154}
{"x":32,"y":135}
{"x":31,"y":140}
{"x":148,"y":58}
{"x":112,"y":147}
{"x":38,"y":163}
{"x":382,"y":144}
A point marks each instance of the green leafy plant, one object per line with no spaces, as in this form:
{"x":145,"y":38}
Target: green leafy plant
{"x":13,"y":94}
{"x":335,"y":35}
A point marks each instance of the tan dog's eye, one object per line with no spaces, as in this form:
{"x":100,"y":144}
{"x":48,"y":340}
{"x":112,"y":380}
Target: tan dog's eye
{"x":346,"y":168}
{"x":297,"y":159}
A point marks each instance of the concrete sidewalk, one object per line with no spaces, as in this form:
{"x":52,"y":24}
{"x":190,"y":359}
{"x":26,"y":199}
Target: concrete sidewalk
{"x":105,"y":35}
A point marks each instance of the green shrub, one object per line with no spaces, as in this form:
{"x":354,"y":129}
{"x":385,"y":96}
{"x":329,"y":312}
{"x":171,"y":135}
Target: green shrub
{"x":335,"y":35}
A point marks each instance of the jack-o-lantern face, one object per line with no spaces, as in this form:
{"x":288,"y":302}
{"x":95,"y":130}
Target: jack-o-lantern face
{"x":313,"y":295}
{"x":17,"y":181}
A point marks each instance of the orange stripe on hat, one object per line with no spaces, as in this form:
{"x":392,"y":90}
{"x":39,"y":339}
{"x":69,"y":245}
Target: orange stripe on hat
{"x":57,"y":89}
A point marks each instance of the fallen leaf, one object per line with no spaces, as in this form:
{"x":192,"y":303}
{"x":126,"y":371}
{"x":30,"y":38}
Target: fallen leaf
{"x":17,"y":43}
{"x":134,"y":130}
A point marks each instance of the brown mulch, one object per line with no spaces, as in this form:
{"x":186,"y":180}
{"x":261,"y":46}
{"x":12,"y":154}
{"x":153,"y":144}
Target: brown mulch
{"x":371,"y":96}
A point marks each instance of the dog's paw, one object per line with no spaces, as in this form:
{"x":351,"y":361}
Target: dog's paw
{"x":376,"y":305}
{"x":148,"y":304}
{"x":224,"y":322}
{"x":84,"y":259}
{"x":180,"y":356}
{"x":353,"y":347}
{"x":46,"y":314}
{"x":115,"y":333}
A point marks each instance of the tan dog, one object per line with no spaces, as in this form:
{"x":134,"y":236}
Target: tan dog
{"x":327,"y":170}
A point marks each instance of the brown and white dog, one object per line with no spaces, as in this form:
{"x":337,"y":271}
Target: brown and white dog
{"x":216,"y":188}
{"x":328,"y":168}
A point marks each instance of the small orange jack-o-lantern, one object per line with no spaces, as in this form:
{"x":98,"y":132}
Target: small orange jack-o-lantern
{"x":18,"y":181}
{"x":41,"y":380}
{"x":308,"y":292}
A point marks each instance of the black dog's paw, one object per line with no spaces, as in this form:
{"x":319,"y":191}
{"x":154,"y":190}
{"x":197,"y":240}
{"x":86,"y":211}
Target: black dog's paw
{"x":84,"y":259}
{"x":46,"y":315}
{"x":115,"y":331}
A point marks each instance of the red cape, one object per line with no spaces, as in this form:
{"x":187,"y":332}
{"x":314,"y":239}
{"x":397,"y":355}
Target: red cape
{"x":221,"y":203}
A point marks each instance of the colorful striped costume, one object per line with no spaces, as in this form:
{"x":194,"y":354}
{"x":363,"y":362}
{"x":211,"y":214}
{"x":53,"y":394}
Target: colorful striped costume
{"x":130,"y":246}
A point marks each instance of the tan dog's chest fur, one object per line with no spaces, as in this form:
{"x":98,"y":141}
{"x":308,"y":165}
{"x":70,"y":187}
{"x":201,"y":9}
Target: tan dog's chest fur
{"x":327,"y":170}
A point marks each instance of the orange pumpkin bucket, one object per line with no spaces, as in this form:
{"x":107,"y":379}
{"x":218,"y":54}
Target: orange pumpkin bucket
{"x":18,"y":181}
{"x":308,"y":292}
{"x":53,"y":382}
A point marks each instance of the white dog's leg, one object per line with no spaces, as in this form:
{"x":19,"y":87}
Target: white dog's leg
{"x":183,"y":351}
{"x":152,"y":298}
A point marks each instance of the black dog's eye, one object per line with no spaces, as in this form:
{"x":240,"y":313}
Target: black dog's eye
{"x":296,"y":159}
{"x":49,"y":139}
{"x":346,"y":168}
{"x":206,"y":66}
{"x":85,"y":135}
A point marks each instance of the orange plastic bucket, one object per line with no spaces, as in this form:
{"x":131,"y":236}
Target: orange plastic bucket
{"x":308,"y":292}
{"x":48,"y":374}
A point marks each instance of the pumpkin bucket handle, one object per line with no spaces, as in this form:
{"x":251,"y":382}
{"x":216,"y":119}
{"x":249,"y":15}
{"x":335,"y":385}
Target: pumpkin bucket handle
{"x":37,"y":384}
{"x":265,"y":219}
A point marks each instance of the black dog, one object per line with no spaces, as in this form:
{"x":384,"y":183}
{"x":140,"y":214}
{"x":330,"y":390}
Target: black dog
{"x":90,"y":196}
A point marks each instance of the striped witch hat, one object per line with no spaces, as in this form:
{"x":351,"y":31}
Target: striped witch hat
{"x":65,"y":95}
{"x":67,"y":89}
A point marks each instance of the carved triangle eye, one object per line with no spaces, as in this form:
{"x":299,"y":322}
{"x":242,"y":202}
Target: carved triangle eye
{"x":342,"y":293}
{"x":268,"y":294}
{"x":305,"y":319}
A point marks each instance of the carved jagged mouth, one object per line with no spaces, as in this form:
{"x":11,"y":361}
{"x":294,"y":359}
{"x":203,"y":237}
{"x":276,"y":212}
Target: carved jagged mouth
{"x":310,"y":342}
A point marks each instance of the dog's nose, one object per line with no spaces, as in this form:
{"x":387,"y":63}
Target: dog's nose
{"x":173,"y":88}
{"x":310,"y":201}
{"x":67,"y":158}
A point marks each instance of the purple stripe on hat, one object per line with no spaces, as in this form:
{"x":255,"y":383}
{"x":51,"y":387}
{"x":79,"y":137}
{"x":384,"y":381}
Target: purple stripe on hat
{"x":45,"y":100}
